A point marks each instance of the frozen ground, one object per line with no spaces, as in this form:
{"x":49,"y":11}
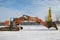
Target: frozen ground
{"x":36,"y":32}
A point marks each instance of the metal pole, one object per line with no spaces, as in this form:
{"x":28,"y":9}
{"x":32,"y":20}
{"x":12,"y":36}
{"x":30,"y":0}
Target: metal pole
{"x":11,"y":24}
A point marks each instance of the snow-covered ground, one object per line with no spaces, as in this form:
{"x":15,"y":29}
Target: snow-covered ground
{"x":33,"y":32}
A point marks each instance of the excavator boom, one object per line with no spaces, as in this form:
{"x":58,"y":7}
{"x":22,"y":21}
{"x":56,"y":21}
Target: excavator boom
{"x":29,"y":18}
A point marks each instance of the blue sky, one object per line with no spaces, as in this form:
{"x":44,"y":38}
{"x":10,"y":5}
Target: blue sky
{"x":38,"y":8}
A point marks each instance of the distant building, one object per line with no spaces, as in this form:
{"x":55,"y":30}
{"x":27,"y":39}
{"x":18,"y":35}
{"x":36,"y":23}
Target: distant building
{"x":2,"y":24}
{"x":29,"y":23}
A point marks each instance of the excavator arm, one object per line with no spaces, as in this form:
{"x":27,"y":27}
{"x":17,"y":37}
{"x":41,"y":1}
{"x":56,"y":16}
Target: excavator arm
{"x":28,"y":18}
{"x":41,"y":22}
{"x":36,"y":19}
{"x":47,"y":24}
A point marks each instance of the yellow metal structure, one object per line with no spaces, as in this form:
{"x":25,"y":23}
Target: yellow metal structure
{"x":49,"y":15}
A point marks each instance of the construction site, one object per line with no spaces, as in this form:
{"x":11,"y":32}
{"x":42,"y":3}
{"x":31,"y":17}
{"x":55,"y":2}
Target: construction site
{"x":29,"y":19}
{"x":13,"y":25}
{"x":30,"y":28}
